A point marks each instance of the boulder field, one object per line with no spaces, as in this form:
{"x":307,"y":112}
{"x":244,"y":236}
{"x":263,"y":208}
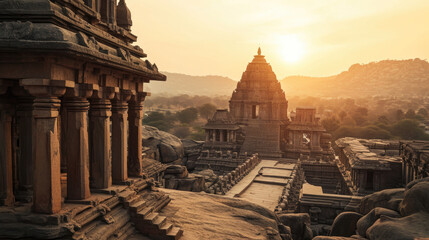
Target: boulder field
{"x":395,"y":214}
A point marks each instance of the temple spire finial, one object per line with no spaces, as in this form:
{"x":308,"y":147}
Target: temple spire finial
{"x":259,"y":51}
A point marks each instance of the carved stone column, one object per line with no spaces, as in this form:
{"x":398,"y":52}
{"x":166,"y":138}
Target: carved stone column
{"x":207,"y":135}
{"x":46,"y":149}
{"x":119,"y":136}
{"x":24,"y":113}
{"x":76,"y":141}
{"x":100,"y":145}
{"x":6,"y":178}
{"x":135,"y":118}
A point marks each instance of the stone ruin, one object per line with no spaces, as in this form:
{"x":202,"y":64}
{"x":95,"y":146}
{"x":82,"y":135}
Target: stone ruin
{"x":305,"y":135}
{"x":257,"y":121}
{"x":225,"y":182}
{"x":69,"y":71}
{"x":177,"y":177}
{"x":219,"y":161}
{"x":369,"y":165}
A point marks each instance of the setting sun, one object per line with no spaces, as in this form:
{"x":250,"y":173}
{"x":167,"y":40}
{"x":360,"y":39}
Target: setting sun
{"x":291,"y":48}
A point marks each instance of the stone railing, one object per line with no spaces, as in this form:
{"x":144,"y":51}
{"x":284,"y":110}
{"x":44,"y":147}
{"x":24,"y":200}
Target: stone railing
{"x":289,"y":199}
{"x":227,"y":181}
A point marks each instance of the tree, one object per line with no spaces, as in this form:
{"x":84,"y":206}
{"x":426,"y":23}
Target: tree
{"x":207,"y":110}
{"x":399,"y":115}
{"x":383,"y":119}
{"x":410,"y":114}
{"x":158,"y":120}
{"x":182,"y":132}
{"x":342,"y":115}
{"x":187,"y":115}
{"x":331,"y":124}
{"x":409,"y":129}
{"x":348,"y":121}
{"x":423,"y":112}
{"x":360,"y":115}
{"x":153,"y":116}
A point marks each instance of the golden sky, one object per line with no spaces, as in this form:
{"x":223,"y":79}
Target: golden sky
{"x":299,"y":37}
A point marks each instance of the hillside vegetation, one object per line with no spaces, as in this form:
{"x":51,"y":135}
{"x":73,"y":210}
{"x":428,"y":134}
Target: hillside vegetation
{"x":400,"y":78}
{"x":179,"y":84}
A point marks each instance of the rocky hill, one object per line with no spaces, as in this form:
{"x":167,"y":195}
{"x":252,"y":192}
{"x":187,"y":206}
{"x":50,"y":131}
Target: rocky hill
{"x":384,"y":78}
{"x":178,"y":84}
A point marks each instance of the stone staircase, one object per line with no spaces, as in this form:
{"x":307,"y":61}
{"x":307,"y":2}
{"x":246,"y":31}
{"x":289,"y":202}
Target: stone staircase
{"x":133,"y":211}
{"x":144,"y":207}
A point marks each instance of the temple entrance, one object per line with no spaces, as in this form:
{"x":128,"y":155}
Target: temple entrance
{"x":255,"y":111}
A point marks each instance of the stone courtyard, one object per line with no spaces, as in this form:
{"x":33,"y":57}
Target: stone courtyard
{"x":76,"y":161}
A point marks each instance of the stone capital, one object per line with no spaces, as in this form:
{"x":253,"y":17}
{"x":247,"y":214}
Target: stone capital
{"x":139,"y":96}
{"x":105,"y":93}
{"x":38,"y":87}
{"x":124,"y":95}
{"x":81,"y":90}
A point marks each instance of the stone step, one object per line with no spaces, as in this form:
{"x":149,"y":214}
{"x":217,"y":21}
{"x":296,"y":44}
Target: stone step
{"x":126,"y":195}
{"x":160,"y":221}
{"x":165,"y":228}
{"x":136,"y":207}
{"x":175,"y":233}
{"x":144,"y":212}
{"x":131,"y":201}
{"x":151,"y":216}
{"x":123,"y":233}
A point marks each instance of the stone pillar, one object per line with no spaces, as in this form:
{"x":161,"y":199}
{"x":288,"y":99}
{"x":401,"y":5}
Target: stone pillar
{"x":214,"y":135}
{"x":207,"y":135}
{"x":76,"y":141}
{"x":119,"y":137}
{"x":6,"y":178}
{"x":46,"y":149}
{"x":135,"y":118}
{"x":24,"y":113}
{"x":100,"y":145}
{"x":221,"y":136}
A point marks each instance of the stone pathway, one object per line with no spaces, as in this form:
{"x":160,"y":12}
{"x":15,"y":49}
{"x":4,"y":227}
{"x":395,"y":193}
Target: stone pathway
{"x":239,"y":187}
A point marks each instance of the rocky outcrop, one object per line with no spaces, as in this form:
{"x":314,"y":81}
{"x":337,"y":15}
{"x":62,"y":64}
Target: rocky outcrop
{"x":164,"y":146}
{"x":392,"y":214}
{"x":299,"y":224}
{"x":345,"y":224}
{"x":368,"y":220}
{"x":416,"y":199}
{"x":208,"y":216}
{"x":389,"y":198}
{"x":177,"y":177}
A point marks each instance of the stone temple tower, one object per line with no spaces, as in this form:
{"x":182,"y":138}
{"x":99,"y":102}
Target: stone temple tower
{"x":260,"y":105}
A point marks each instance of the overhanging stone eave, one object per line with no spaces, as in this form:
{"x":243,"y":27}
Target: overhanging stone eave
{"x":55,"y":17}
{"x":68,"y":48}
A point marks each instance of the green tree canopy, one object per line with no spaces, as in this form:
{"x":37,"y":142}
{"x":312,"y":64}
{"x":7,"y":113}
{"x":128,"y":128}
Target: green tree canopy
{"x":331,"y":124}
{"x":409,"y":129}
{"x":182,"y":132}
{"x":423,"y":112}
{"x":410,"y":114}
{"x":207,"y":110}
{"x":187,"y":115}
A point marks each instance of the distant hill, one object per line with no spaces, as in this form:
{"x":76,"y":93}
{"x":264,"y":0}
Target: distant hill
{"x":178,"y":84}
{"x":384,"y":78}
{"x":401,"y":78}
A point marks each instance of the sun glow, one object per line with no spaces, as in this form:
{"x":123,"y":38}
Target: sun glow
{"x":291,"y":48}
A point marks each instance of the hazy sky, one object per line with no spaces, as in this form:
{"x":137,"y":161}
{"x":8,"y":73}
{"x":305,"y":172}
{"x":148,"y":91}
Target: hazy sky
{"x":299,"y":37}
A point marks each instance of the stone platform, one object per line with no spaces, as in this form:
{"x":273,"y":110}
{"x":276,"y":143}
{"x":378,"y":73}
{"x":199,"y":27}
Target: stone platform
{"x":269,"y":184}
{"x":120,"y":212}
